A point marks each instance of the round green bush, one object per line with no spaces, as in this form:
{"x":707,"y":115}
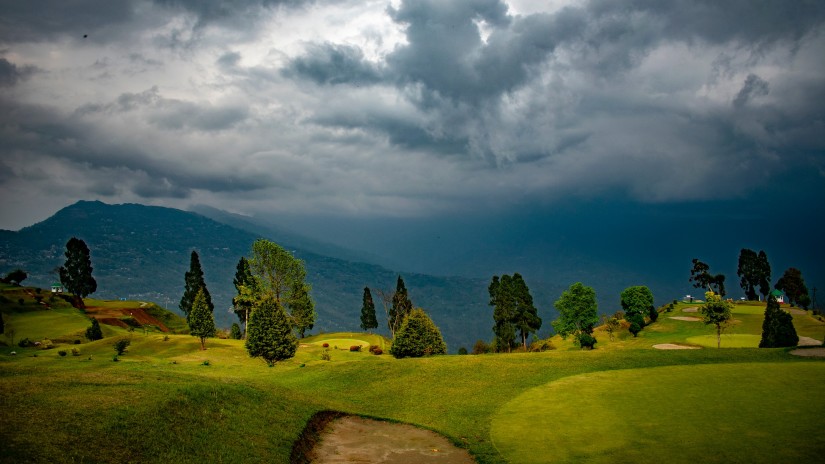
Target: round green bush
{"x":418,"y":336}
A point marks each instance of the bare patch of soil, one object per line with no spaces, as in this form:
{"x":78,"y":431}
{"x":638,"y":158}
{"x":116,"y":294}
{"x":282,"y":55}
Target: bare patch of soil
{"x":350,"y":439}
{"x":111,"y":316}
{"x":673,"y":346}
{"x":810,"y":352}
{"x":797,"y":311}
{"x":692,"y":309}
{"x":686,"y":318}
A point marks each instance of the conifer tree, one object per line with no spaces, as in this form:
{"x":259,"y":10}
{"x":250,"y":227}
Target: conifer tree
{"x":235,"y":332}
{"x":302,"y":308}
{"x":201,"y":321}
{"x":777,"y":328}
{"x":418,"y":336}
{"x":368,"y":319}
{"x":504,"y":312}
{"x":93,"y":332}
{"x":526,"y":318}
{"x":270,"y":333}
{"x":76,"y":273}
{"x":243,"y":279}
{"x":401,"y":306}
{"x":193,"y":284}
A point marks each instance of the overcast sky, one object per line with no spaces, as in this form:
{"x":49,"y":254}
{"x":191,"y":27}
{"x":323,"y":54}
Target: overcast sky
{"x":408,"y":108}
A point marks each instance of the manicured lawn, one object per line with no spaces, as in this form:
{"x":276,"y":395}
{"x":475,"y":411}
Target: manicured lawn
{"x":761,"y":412}
{"x":728,"y":340}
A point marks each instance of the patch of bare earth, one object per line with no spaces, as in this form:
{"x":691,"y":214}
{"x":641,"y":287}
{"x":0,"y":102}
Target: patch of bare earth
{"x":808,"y":341}
{"x":673,"y":346}
{"x":797,"y":311}
{"x":686,"y":318}
{"x":810,"y":352}
{"x":692,"y":309}
{"x":351,"y":439}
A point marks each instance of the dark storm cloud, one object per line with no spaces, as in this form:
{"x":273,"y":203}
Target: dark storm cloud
{"x":333,"y":64}
{"x":754,"y":86}
{"x":10,"y":73}
{"x":23,"y":21}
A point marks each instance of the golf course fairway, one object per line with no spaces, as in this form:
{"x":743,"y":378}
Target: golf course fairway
{"x":752,"y":413}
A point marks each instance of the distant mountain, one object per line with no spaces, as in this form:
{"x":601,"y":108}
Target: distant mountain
{"x":142,"y":252}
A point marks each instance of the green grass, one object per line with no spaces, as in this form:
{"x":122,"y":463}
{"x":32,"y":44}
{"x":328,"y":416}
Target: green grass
{"x":160,"y":403}
{"x":712,"y":413}
{"x":728,"y":340}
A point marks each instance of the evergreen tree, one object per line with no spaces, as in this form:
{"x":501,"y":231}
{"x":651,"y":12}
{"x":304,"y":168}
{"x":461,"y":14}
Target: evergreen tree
{"x":93,"y":332}
{"x":201,"y":321}
{"x":748,"y":272}
{"x":525,"y":316}
{"x":763,"y":274}
{"x":368,"y":319}
{"x":302,"y":308}
{"x":243,"y":279}
{"x":193,"y":284}
{"x":235,"y":332}
{"x":401,"y":306}
{"x":777,"y":328}
{"x":269,"y":332}
{"x":76,"y":273}
{"x":504,"y":312}
{"x":418,"y":336}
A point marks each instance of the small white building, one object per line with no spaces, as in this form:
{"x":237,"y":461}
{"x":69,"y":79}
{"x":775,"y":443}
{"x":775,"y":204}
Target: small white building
{"x":57,"y":288}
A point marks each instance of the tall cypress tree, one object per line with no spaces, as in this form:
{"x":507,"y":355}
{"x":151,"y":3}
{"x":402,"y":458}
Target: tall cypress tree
{"x":504,"y":312}
{"x":401,"y":306}
{"x":368,"y":319}
{"x":777,"y":328}
{"x":201,"y":321}
{"x":76,"y":273}
{"x":526,"y":318}
{"x":243,"y":278}
{"x":764,"y":273}
{"x":193,"y":283}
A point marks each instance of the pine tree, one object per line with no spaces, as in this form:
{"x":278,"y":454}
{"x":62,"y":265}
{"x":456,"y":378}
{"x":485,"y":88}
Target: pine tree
{"x":193,"y":284}
{"x":235,"y":332}
{"x":76,"y":273}
{"x":777,"y":328}
{"x":243,"y":279}
{"x":526,"y":318}
{"x":93,"y":332}
{"x":201,"y":321}
{"x":401,"y":306}
{"x":764,"y":274}
{"x":269,"y":332}
{"x":418,"y":336}
{"x":504,"y":312}
{"x":368,"y":319}
{"x":302,"y":308}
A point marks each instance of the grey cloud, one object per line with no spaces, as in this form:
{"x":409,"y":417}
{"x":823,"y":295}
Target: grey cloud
{"x":160,"y":188}
{"x":49,"y":19}
{"x":754,"y":86}
{"x":10,"y":73}
{"x":229,"y":60}
{"x":333,"y":64}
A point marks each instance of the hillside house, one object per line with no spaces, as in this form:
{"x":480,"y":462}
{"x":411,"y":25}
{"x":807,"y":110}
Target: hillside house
{"x":57,"y":288}
{"x":779,"y":295}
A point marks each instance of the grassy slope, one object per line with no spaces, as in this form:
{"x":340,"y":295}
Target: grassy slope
{"x":161,"y":403}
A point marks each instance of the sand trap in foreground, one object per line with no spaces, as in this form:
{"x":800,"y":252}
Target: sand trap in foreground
{"x":810,"y":352}
{"x":353,"y":439}
{"x":808,"y":341}
{"x":673,"y":346}
{"x":685,"y":318}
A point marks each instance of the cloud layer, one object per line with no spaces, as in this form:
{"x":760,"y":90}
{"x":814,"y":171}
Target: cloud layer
{"x":407,"y":108}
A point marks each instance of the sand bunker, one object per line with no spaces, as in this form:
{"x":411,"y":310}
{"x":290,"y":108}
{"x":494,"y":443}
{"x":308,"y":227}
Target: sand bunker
{"x":351,"y":439}
{"x":797,"y":311}
{"x":692,"y":309}
{"x":810,"y":352}
{"x":673,"y":346}
{"x":808,"y":341}
{"x":686,"y":318}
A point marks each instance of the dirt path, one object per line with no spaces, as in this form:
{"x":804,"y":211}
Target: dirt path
{"x":352,"y":439}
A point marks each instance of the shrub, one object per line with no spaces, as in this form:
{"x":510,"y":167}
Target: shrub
{"x":114,"y":358}
{"x":121,"y":345}
{"x":355,"y":348}
{"x":38,"y":290}
{"x":205,"y":363}
{"x":481,"y":347}
{"x":325,"y":345}
{"x":654,"y":314}
{"x":635,"y":328}
{"x":235,"y":331}
{"x":75,"y":352}
{"x":542,"y":345}
{"x":585,"y":340}
{"x":326,"y":356}
{"x":62,"y":353}
{"x":374,"y":347}
{"x":46,"y":344}
{"x":38,"y":299}
{"x":24,"y":343}
{"x":77,"y":342}
{"x":417,"y":336}
{"x":378,"y":352}
{"x":94,"y":332}
{"x":462,"y":351}
{"x":21,"y":302}
{"x":166,"y":338}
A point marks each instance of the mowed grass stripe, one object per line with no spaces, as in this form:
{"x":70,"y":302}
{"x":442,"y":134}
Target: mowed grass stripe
{"x":762,"y":412}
